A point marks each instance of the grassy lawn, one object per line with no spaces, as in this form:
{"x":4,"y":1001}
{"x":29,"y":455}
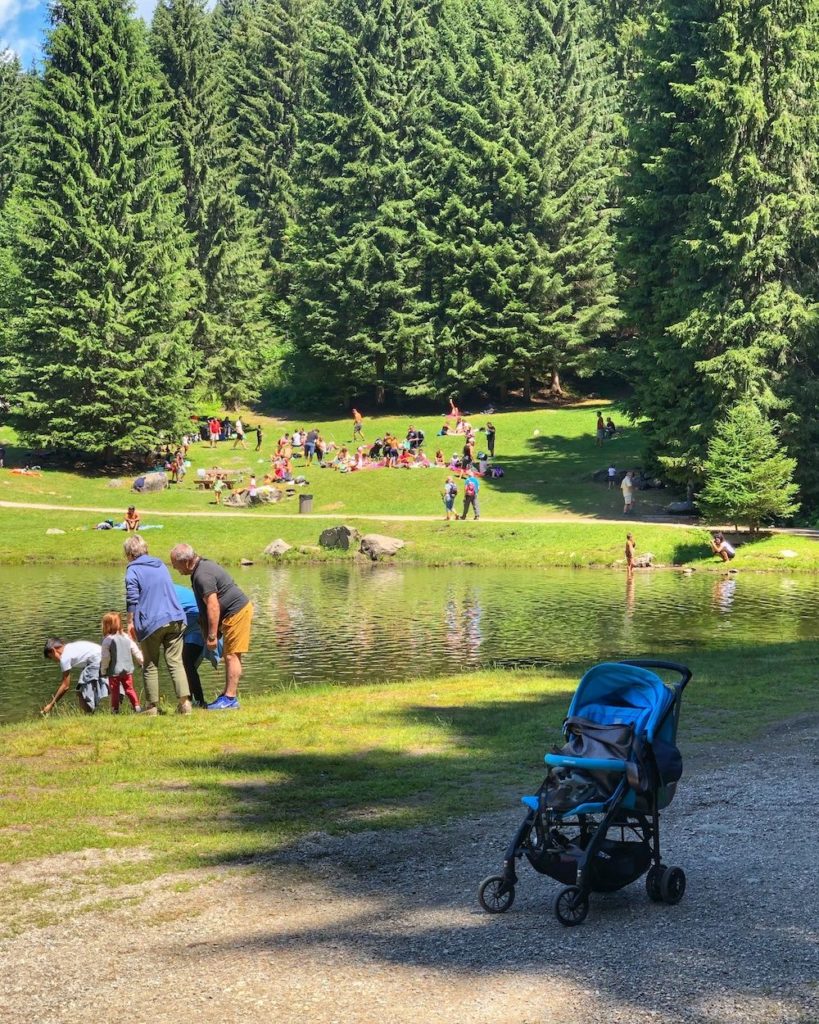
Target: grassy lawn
{"x":548,"y":455}
{"x":219,"y":788}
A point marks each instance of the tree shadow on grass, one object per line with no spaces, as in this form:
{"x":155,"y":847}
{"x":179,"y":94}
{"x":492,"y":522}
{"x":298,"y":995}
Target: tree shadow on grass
{"x":558,"y":471}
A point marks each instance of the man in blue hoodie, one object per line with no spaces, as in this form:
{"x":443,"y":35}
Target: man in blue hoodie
{"x":156,"y":620}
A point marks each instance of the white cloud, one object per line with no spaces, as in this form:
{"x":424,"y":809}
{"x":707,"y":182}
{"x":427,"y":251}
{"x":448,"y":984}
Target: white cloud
{"x":10,"y":10}
{"x":27,"y":48}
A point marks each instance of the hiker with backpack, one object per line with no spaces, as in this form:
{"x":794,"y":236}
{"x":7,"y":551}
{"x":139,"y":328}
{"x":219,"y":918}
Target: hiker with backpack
{"x":471,"y":488}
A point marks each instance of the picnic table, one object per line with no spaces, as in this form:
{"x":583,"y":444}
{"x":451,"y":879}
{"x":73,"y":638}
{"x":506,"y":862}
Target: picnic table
{"x":205,"y":483}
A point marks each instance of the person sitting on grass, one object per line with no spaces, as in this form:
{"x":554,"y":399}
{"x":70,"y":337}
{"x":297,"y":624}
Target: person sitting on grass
{"x":611,"y":430}
{"x":84,"y":656}
{"x":721,"y":547}
{"x":132,"y":519}
{"x":439,"y":458}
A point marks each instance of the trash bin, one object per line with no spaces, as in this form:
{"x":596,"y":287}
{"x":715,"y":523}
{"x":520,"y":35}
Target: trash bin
{"x":305,"y":503}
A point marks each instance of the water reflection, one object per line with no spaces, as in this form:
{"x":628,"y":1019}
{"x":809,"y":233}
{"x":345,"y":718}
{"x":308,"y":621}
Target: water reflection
{"x":350,"y":624}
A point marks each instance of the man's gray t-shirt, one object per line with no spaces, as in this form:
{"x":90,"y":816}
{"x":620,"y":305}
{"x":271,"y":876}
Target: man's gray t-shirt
{"x":210,"y":578}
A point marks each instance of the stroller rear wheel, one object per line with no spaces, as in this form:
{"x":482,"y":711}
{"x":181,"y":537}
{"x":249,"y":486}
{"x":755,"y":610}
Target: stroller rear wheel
{"x":672,"y":885}
{"x":496,"y":895}
{"x":571,"y":906}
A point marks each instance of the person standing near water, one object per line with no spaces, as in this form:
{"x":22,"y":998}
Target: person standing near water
{"x":630,"y":546}
{"x":223,"y":609}
{"x":156,"y":621}
{"x":627,"y":487}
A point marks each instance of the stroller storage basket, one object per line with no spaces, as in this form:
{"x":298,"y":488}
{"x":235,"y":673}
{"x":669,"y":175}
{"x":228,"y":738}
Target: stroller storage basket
{"x":594,"y":822}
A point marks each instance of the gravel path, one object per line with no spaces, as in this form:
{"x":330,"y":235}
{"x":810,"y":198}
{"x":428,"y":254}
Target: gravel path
{"x":385,"y":927}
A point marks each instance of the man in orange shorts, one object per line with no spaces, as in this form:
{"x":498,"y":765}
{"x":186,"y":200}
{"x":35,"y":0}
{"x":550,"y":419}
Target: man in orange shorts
{"x":224,"y":611}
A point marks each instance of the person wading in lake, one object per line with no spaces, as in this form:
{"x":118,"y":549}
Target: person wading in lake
{"x":223,"y":610}
{"x":156,"y":621}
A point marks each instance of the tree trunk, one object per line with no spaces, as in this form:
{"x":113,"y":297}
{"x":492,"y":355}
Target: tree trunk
{"x":527,"y":386}
{"x":555,"y":388}
{"x":503,"y":391}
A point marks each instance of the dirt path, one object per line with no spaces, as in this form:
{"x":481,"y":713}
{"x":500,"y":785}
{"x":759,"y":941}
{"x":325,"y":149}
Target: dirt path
{"x":383,"y":928}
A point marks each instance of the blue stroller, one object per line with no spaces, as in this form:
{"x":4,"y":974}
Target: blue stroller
{"x":594,"y":824}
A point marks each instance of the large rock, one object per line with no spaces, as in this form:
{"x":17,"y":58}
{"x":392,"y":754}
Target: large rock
{"x":237,"y":499}
{"x":680,"y":508}
{"x":277,"y":548}
{"x":152,"y":482}
{"x":269,"y":495}
{"x":376,"y":545}
{"x":643,"y":561}
{"x":339,"y":537}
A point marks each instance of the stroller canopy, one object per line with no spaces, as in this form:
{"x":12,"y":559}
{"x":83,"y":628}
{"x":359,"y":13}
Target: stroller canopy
{"x":616,"y":694}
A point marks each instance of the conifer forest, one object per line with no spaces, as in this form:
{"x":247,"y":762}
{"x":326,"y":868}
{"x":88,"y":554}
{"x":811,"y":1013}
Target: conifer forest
{"x":391,"y":201}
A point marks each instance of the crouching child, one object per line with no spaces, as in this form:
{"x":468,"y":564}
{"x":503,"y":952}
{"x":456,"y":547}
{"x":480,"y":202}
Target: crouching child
{"x":81,"y":656}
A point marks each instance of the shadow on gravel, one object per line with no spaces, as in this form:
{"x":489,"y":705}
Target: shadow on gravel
{"x":744,"y":936}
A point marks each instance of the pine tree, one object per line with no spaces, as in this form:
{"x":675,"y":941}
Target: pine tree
{"x":567,"y":291}
{"x":228,"y":316}
{"x":100,"y":335}
{"x":720,"y":214}
{"x":264,"y":60}
{"x":12,"y":94}
{"x":472,"y":251}
{"x":354,"y":285}
{"x":748,"y":476}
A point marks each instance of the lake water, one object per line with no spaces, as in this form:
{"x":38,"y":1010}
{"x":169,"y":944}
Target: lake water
{"x":351,"y":624}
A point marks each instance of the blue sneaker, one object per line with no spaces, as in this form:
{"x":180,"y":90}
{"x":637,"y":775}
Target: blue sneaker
{"x":224,"y":703}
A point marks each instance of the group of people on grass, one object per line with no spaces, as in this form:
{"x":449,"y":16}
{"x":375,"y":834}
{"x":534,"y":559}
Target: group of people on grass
{"x":209,"y":620}
{"x":605,"y":429}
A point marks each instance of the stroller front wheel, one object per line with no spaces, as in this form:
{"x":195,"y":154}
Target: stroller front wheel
{"x":496,"y":895}
{"x":571,"y":906}
{"x":672,"y":885}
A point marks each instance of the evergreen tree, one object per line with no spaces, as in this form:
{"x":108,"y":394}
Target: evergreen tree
{"x":265,"y":74}
{"x":354,"y":288}
{"x":748,"y":476}
{"x":720,"y":218}
{"x":567,"y":291}
{"x":227,"y":314}
{"x":12,"y":91}
{"x":100,"y":336}
{"x":474,"y":186}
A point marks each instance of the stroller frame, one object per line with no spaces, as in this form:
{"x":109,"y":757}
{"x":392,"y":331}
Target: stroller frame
{"x":573,"y":846}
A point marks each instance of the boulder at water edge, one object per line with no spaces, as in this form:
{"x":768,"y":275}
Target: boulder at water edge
{"x":643,"y":561}
{"x":376,"y":545}
{"x":339,"y":537}
{"x":277,"y":548}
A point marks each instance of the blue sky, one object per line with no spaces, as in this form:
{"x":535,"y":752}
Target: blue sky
{"x":23,"y":24}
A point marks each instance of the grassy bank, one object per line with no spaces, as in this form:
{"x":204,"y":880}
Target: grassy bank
{"x":232,"y":537}
{"x":217,"y":788}
{"x":548,"y":456}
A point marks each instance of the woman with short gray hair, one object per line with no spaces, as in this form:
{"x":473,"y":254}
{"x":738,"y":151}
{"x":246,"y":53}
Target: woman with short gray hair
{"x":156,"y":620}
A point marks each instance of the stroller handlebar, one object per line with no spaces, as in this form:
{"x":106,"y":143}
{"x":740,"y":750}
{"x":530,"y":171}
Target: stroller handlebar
{"x":672,"y":666}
